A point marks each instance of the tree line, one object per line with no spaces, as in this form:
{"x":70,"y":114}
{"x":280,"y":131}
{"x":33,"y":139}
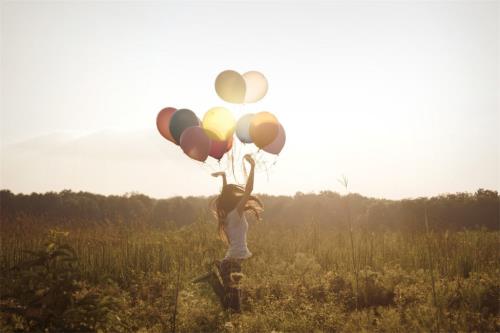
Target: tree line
{"x":80,"y":209}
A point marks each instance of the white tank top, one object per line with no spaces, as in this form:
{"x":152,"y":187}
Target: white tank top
{"x":236,"y":229}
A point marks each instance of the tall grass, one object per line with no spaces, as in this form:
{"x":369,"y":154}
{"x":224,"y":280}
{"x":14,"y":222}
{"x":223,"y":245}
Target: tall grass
{"x":431,"y":270}
{"x":345,"y":182}
{"x":300,"y":278}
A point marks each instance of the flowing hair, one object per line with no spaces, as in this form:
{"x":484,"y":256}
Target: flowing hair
{"x":225,"y":202}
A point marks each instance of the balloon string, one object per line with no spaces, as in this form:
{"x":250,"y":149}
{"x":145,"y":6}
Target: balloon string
{"x":275,"y":160}
{"x":245,"y":173}
{"x":267,"y":173}
{"x":258,"y":157}
{"x":207,"y":166}
{"x":234,"y":160}
{"x":241,"y":153}
{"x":212,"y":168}
{"x":242,"y":147}
{"x":204,"y":166}
{"x":232,"y":166}
{"x":265,"y":165}
{"x":229,"y":162}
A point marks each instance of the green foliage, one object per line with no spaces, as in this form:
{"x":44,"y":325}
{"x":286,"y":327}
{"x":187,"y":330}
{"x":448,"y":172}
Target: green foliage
{"x":46,"y":292}
{"x":74,"y":209}
{"x":300,"y":279}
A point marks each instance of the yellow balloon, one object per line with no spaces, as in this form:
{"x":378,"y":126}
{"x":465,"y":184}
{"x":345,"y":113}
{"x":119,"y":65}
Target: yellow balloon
{"x":256,"y":86}
{"x":230,"y":86}
{"x":219,"y":123}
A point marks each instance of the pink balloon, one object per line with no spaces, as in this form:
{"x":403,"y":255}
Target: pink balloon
{"x":277,"y":145}
{"x":195,"y":143}
{"x":219,"y":148}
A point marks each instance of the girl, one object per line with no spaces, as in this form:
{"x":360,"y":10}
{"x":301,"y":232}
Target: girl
{"x":230,"y":207}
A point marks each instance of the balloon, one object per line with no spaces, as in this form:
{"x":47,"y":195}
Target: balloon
{"x":163,"y":123}
{"x":277,"y":145}
{"x":256,"y":86}
{"x":182,"y":119}
{"x":264,"y":128}
{"x":219,"y":123}
{"x":230,"y":86}
{"x":243,"y":128}
{"x":219,"y":148}
{"x":195,"y":143}
{"x":229,"y":144}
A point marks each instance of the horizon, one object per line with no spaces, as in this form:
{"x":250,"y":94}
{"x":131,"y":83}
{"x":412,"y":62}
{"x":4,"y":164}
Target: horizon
{"x":132,"y":193}
{"x":402,"y":98}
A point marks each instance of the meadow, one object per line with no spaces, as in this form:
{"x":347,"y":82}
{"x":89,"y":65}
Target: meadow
{"x":303,"y":277}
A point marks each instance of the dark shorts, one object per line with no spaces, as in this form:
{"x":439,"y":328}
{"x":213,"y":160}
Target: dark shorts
{"x":227,"y":267}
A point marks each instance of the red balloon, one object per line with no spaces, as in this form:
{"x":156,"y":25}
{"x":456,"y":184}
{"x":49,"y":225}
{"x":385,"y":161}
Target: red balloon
{"x":219,"y":148}
{"x":229,"y":143}
{"x":195,"y":143}
{"x":163,"y":123}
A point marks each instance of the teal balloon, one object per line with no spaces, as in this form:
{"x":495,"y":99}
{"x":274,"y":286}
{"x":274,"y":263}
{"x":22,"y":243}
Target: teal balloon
{"x":243,"y":128}
{"x":182,"y":119}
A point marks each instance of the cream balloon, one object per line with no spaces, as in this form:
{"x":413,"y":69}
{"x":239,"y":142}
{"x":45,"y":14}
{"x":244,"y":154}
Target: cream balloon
{"x":231,"y":87}
{"x":256,"y":86}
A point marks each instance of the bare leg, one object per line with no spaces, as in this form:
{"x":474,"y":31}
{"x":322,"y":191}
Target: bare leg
{"x":218,"y":288}
{"x":213,"y":279}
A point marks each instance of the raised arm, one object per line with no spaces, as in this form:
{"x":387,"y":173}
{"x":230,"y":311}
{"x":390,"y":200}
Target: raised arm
{"x":249,"y":186}
{"x":223,"y":175}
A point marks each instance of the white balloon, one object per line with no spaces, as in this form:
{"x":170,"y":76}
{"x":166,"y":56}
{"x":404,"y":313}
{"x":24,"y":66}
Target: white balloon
{"x":256,"y":86}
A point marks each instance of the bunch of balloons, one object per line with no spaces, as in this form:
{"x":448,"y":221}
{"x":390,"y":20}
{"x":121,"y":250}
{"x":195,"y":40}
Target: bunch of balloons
{"x":213,"y":136}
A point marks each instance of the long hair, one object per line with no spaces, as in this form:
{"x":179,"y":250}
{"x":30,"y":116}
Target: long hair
{"x":225,"y":202}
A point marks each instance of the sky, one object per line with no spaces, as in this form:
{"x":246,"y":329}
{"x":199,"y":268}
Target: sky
{"x":400,"y":97}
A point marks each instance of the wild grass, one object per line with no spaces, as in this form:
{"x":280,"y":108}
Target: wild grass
{"x":301,"y":278}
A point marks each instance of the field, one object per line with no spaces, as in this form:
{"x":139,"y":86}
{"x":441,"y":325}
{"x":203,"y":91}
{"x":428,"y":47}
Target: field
{"x":302,"y":278}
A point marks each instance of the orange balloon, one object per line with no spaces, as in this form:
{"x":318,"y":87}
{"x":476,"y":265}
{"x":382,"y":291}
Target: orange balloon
{"x":264,"y":128}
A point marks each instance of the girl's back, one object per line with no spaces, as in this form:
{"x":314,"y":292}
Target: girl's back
{"x":236,"y":227}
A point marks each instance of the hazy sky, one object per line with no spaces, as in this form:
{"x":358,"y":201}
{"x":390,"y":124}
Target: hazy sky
{"x":402,"y":97}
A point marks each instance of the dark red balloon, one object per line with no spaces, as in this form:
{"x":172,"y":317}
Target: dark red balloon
{"x":195,"y":143}
{"x":219,"y":147}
